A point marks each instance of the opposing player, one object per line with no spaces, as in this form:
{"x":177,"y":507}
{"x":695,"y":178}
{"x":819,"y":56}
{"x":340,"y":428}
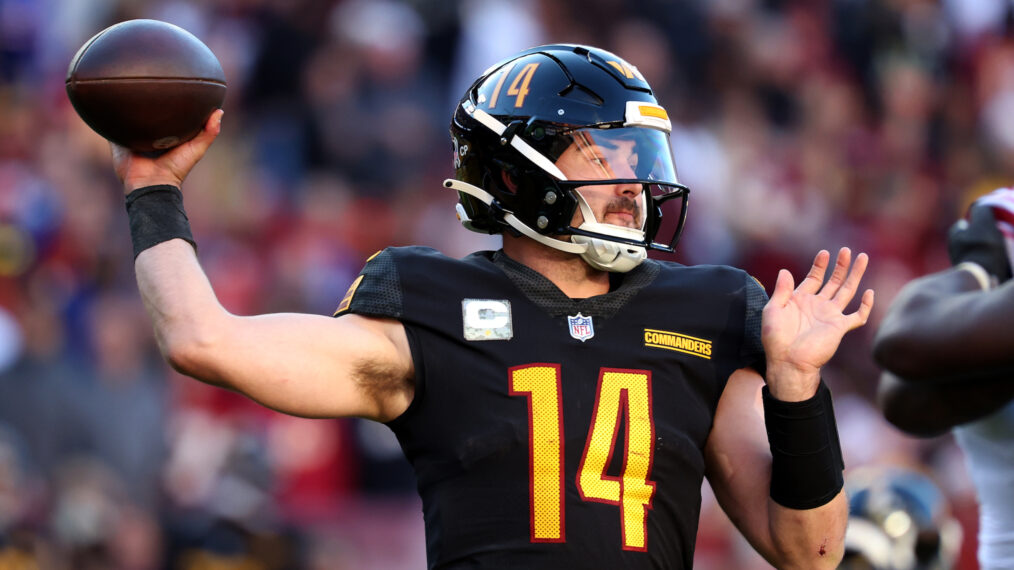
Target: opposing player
{"x":947,"y":347}
{"x":561,"y":399}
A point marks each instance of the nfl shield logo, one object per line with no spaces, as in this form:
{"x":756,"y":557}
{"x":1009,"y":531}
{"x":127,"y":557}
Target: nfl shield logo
{"x":581,"y":327}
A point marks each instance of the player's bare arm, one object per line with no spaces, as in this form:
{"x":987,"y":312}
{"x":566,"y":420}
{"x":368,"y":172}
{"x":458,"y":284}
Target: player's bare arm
{"x":943,"y":326}
{"x":929,"y":409}
{"x":739,"y":472}
{"x":307,"y":365}
{"x":942,"y":345}
{"x":801,"y":330}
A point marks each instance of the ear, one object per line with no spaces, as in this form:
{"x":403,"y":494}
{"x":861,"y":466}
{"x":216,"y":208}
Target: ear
{"x":508,"y":181}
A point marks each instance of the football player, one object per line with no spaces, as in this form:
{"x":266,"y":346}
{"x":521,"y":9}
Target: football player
{"x":946,"y":349}
{"x":563,"y":398}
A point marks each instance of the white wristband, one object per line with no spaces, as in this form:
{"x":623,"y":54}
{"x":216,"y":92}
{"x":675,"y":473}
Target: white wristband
{"x":980,"y":274}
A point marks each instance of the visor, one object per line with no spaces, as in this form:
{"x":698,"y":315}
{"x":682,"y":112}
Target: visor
{"x":624,"y":153}
{"x":637,"y":156}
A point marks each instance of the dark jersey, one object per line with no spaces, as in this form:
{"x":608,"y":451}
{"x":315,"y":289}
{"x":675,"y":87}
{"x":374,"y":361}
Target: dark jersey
{"x":549,"y":432}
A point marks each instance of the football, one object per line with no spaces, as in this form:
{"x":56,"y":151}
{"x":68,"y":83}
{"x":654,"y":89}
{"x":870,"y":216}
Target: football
{"x":145,"y":84}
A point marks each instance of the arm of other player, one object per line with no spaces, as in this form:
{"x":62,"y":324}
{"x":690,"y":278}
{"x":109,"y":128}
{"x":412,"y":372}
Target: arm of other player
{"x":305,"y":365}
{"x":929,"y":409}
{"x":943,"y":326}
{"x":946,"y":350}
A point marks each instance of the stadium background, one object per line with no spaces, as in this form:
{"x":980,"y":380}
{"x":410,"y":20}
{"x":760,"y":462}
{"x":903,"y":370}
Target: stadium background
{"x":798,"y":126}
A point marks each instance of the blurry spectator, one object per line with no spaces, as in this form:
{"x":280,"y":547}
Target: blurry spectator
{"x":117,"y":402}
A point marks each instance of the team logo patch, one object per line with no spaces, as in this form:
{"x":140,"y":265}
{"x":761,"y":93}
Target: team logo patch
{"x":487,"y":319}
{"x":678,"y":342}
{"x":581,"y":327}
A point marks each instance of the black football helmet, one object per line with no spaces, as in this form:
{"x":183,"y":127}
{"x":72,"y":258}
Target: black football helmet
{"x":518,"y":118}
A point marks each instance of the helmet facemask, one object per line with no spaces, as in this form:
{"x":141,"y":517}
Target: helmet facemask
{"x":610,"y":168}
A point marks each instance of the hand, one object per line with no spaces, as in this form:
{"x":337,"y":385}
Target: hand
{"x":979,"y":240}
{"x":802,"y":328}
{"x":137,"y":170}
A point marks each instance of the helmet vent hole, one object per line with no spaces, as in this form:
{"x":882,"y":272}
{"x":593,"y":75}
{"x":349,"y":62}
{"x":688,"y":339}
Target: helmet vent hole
{"x":582,"y":95}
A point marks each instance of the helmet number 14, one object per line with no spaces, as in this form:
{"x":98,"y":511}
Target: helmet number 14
{"x":518,"y":88}
{"x":621,"y":393}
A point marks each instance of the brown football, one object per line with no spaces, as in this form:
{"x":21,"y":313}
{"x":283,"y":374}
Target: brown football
{"x":145,"y":84}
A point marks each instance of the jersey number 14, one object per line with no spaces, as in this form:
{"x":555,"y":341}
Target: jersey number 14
{"x":620,"y":393}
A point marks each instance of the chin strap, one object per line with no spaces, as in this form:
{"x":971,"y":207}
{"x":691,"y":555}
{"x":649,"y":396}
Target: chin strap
{"x":608,"y":255}
{"x":611,"y":256}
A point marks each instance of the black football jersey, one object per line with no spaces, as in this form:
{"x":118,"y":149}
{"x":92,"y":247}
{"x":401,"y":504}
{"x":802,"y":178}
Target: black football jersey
{"x":549,"y":432}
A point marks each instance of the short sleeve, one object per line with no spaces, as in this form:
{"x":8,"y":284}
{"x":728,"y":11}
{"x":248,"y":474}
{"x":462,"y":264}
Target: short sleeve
{"x":753,"y":348}
{"x":376,"y":291}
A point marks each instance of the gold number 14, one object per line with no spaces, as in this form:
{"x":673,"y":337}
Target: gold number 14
{"x":620,"y":393}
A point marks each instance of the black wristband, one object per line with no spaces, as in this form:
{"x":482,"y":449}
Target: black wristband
{"x":806,"y":460}
{"x":156,"y":215}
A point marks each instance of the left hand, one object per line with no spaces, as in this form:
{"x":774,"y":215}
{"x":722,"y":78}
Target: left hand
{"x":802,"y":328}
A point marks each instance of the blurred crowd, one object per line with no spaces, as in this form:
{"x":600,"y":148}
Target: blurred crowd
{"x":798,"y":125}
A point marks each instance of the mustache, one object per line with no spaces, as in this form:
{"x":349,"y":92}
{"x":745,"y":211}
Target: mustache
{"x":625,"y":204}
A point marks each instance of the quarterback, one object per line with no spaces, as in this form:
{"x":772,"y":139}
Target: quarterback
{"x":563,"y":398}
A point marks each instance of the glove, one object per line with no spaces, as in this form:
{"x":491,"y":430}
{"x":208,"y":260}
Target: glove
{"x":978,"y":240}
